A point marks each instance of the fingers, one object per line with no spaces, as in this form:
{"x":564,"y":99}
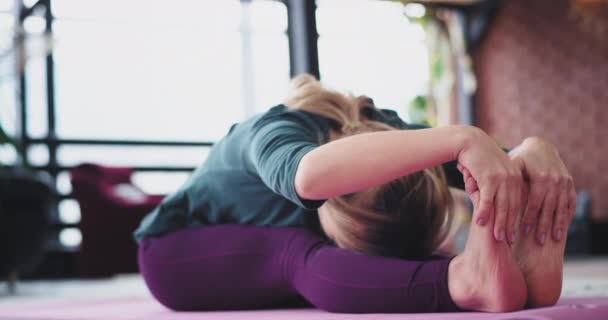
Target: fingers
{"x":497,"y":197}
{"x":546,"y":216}
{"x":560,"y":220}
{"x":514,"y":206}
{"x":470,"y":185}
{"x":563,"y":214}
{"x":501,"y":212}
{"x":571,"y":200}
{"x":475,"y":198}
{"x":534,"y":201}
{"x":525,"y":190}
{"x":486,"y":204}
{"x":551,"y":200}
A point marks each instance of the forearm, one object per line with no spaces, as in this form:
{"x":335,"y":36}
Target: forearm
{"x":363,"y":161}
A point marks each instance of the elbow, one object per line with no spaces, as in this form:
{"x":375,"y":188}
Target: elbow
{"x":304,"y":180}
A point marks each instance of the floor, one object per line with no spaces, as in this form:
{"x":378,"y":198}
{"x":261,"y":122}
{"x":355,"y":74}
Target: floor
{"x":126,"y":297}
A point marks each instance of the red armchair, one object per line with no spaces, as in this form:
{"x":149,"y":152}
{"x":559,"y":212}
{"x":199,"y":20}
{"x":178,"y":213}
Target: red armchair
{"x":111,"y":209}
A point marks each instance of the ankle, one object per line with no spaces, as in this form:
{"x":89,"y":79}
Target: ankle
{"x":461,"y":289}
{"x":471,"y":289}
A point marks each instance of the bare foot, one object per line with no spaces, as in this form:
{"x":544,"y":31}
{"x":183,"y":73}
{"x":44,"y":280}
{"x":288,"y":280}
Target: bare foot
{"x":542,"y":268}
{"x":485,"y":276}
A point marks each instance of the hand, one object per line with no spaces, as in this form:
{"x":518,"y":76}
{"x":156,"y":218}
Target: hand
{"x":552,"y":199}
{"x":493,"y":181}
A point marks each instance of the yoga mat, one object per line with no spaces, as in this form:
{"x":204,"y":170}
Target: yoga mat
{"x":574,"y":308}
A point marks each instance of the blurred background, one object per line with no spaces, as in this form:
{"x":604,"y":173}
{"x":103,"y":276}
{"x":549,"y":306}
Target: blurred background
{"x":106,"y":106}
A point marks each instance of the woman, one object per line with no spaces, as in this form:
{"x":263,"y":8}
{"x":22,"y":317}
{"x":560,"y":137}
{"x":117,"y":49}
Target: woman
{"x":322,"y":200}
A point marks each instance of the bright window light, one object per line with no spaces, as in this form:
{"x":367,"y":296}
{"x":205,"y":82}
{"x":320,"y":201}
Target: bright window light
{"x":8,"y":154}
{"x":63,"y":184}
{"x":70,"y":237}
{"x":166,"y":70}
{"x":6,"y":5}
{"x":370,"y":47}
{"x":7,"y":23}
{"x":36,"y":96}
{"x":133,"y":155}
{"x":415,"y":10}
{"x":38,"y":154}
{"x":29,"y":3}
{"x":34,"y":24}
{"x":160,"y":183}
{"x":69,"y":211}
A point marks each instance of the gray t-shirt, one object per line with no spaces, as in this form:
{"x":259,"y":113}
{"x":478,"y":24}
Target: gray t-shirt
{"x":248,"y":177}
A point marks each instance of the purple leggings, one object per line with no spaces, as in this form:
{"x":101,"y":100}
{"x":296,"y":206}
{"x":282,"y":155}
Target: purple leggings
{"x":230,"y":267}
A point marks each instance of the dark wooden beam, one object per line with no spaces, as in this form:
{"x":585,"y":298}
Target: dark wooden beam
{"x":303,"y":36}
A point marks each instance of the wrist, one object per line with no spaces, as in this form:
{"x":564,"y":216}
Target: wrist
{"x":465,"y":137}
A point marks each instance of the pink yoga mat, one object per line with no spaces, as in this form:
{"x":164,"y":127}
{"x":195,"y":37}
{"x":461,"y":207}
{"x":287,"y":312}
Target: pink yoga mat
{"x":146,"y":308}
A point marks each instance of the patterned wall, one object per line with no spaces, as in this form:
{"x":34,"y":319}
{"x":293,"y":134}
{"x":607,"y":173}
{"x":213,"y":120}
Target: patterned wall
{"x":543,"y":70}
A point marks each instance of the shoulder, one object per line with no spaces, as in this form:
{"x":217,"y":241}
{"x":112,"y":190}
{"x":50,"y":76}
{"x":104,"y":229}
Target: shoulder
{"x":282,"y":118}
{"x":282,"y":113}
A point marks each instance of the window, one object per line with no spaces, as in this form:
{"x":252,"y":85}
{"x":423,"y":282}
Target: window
{"x":180,"y":70}
{"x":370,"y":47}
{"x":166,"y":70}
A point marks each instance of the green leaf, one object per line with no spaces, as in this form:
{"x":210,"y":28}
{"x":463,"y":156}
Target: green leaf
{"x":437,"y":67}
{"x":419,"y":102}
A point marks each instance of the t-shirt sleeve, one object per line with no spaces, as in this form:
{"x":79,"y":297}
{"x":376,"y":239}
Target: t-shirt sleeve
{"x":278,"y":143}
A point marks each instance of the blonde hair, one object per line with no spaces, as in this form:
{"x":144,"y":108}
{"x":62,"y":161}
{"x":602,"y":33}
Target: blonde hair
{"x":408,"y":217}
